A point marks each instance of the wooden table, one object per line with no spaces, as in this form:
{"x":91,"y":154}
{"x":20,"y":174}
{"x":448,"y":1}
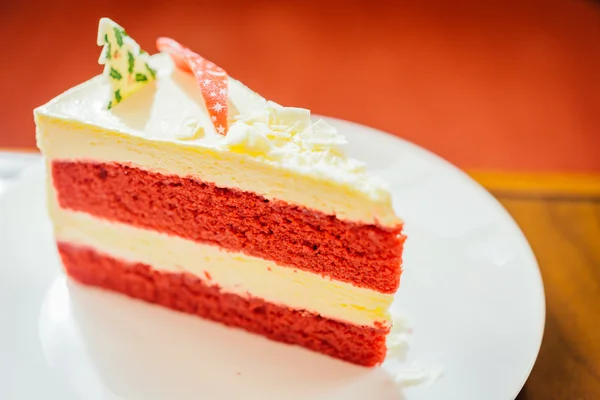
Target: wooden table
{"x":564,"y":231}
{"x":561,"y":218}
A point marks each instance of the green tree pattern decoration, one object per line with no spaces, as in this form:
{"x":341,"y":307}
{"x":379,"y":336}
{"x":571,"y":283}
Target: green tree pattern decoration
{"x":126,"y":66}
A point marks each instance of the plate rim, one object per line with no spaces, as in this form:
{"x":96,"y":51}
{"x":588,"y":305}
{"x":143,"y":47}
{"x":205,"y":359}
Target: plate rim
{"x":507,"y":216}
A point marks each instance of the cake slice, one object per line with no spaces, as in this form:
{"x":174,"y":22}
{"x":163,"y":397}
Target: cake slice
{"x":173,"y":183}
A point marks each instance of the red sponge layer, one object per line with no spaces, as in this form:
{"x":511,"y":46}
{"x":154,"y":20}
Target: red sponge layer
{"x":364,"y":255}
{"x":184,"y":292}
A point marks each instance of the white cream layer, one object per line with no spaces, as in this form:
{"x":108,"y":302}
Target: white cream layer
{"x":156,"y":129}
{"x":233,"y":272}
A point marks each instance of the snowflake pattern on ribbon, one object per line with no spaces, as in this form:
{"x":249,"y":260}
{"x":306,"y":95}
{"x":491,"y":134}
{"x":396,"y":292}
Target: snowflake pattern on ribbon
{"x":211,"y":79}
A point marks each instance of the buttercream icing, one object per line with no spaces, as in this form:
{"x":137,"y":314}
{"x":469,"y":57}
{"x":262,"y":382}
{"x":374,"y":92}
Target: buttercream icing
{"x":169,"y":116}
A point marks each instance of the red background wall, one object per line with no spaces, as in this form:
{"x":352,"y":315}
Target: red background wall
{"x":509,"y":85}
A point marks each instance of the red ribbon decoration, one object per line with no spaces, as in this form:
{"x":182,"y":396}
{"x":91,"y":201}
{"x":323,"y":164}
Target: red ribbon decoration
{"x":211,"y":79}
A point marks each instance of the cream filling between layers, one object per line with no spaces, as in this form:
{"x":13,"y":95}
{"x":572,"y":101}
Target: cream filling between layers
{"x":233,"y":272}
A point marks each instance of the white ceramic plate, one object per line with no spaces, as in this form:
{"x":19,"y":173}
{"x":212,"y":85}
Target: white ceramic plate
{"x":471,"y":288}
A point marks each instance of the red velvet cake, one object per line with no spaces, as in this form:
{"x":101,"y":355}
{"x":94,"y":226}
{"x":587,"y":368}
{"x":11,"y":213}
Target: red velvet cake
{"x":173,"y":183}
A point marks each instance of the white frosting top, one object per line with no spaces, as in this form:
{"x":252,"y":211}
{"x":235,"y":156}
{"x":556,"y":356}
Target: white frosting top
{"x":172,"y":109}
